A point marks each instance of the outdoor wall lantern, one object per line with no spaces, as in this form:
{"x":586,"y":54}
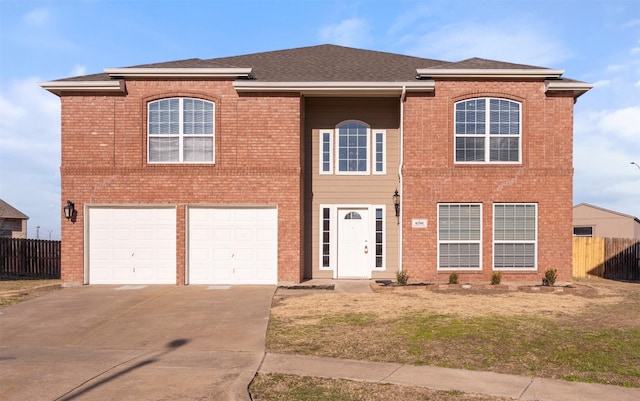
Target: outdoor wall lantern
{"x":69,"y":210}
{"x":396,"y":203}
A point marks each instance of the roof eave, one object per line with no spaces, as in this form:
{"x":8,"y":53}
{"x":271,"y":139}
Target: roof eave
{"x":336,"y":88}
{"x":58,"y":87}
{"x":179,"y":72}
{"x":488,"y":73}
{"x":576,"y":88}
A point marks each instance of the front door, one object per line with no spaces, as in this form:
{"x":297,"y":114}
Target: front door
{"x":353,"y":246}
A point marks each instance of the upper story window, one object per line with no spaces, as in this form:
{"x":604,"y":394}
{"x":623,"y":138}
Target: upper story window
{"x":488,"y":130}
{"x":353,"y":152}
{"x":181,"y":130}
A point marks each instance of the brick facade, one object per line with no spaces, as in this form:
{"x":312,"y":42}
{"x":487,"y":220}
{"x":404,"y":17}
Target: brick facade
{"x":545,"y":177}
{"x":264,"y":135}
{"x":104,"y":163}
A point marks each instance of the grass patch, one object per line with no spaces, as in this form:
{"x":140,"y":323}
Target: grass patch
{"x":554,"y":336}
{"x":278,"y":387}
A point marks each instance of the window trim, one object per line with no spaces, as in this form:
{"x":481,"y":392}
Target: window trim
{"x":181,"y":135}
{"x":374,"y":152}
{"x":487,"y":135}
{"x":478,"y":241}
{"x":321,"y":151}
{"x":383,"y":265}
{"x":534,"y":241}
{"x":334,"y":146}
{"x":332,"y":237}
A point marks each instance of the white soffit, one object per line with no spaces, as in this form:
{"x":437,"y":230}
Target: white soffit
{"x":489,"y":73}
{"x":179,"y":72}
{"x":336,"y":88}
{"x":578,"y":88}
{"x":57,"y":87}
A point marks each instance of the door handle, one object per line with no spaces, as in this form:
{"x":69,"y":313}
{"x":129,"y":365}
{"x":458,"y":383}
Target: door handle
{"x":366,"y":249}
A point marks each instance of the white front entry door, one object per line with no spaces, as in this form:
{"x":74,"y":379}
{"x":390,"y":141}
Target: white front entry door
{"x":353,"y":243}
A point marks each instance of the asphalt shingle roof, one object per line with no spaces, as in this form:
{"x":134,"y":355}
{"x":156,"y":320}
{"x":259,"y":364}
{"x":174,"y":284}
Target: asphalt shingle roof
{"x":9,"y":212}
{"x":325,"y":63}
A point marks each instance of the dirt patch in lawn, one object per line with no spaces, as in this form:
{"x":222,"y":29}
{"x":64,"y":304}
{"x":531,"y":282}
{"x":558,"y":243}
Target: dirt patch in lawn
{"x":14,"y":291}
{"x":463,"y":303}
{"x":276,"y":387}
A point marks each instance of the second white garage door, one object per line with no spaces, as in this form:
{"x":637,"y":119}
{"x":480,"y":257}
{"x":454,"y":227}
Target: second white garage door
{"x":233,"y":245}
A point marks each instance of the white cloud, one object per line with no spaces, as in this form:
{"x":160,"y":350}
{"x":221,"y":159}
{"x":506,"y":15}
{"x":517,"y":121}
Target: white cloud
{"x":511,"y":41}
{"x":37,"y":17}
{"x":624,"y":123}
{"x":602,"y":83}
{"x":30,"y":153}
{"x":604,"y":145}
{"x":352,"y":32}
{"x":78,"y":70}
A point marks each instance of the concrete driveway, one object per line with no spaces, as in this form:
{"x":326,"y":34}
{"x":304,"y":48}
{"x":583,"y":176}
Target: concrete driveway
{"x":134,"y":343}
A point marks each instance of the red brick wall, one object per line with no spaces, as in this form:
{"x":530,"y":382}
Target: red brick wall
{"x":544,"y":177}
{"x":257,"y":158}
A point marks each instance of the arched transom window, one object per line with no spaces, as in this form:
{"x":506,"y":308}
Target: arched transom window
{"x":181,"y":130}
{"x":488,"y":130}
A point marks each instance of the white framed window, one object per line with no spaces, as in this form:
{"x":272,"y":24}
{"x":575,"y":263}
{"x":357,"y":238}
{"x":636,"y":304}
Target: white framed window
{"x":325,"y":238}
{"x":459,"y":236}
{"x":379,"y":238}
{"x":379,"y":152}
{"x":515,"y":236}
{"x":352,"y":148}
{"x":180,"y":130}
{"x":488,"y":130}
{"x":326,"y":153}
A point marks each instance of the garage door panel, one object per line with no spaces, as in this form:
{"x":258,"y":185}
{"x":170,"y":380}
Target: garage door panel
{"x":243,"y":245}
{"x":132,"y":246}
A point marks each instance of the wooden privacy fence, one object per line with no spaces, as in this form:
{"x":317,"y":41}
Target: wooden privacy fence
{"x":612,"y":258}
{"x":30,"y":258}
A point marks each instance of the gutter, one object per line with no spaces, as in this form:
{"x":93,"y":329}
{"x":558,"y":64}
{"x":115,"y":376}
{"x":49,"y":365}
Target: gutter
{"x":337,"y":88}
{"x":403,"y":97}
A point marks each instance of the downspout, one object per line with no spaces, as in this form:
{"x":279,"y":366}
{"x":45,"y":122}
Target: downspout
{"x":403,"y":96}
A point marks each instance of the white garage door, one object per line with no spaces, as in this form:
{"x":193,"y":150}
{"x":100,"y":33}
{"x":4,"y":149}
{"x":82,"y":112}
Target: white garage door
{"x":132,"y":246}
{"x":233,"y":246}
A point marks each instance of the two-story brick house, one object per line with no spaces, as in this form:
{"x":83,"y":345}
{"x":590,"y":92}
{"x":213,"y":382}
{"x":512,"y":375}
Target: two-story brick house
{"x":281,"y":166}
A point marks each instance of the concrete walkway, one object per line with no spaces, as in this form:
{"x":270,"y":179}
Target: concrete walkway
{"x":467,"y":381}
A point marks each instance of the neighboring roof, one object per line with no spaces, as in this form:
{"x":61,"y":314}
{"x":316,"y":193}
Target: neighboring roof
{"x":9,"y":212}
{"x":296,"y":68}
{"x":607,"y":210}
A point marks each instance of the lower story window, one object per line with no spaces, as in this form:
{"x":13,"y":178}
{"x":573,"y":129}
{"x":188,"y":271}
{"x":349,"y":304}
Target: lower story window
{"x":459,"y":236}
{"x":515,"y":236}
{"x":326,"y":237}
{"x":379,"y":238}
{"x":583,"y":231}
